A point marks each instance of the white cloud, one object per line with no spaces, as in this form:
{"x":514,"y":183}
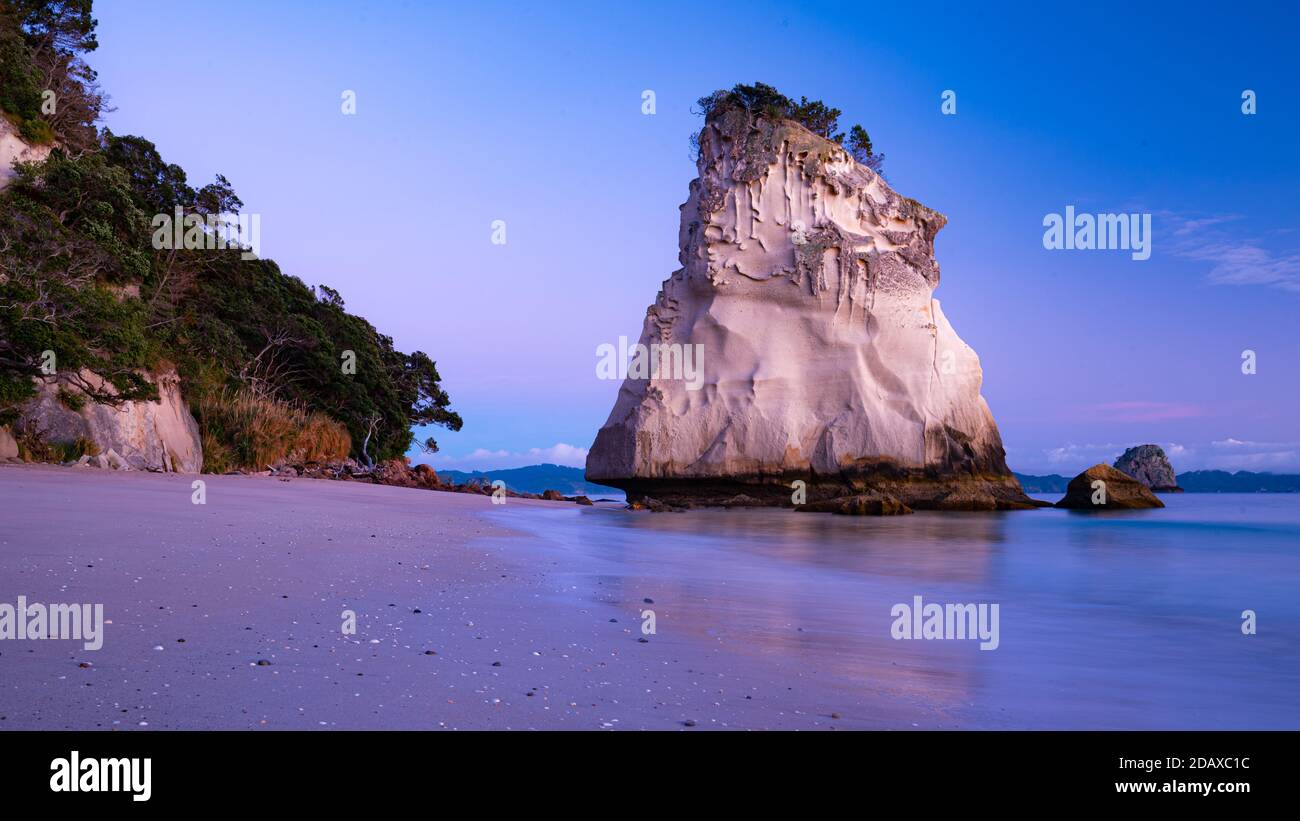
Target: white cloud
{"x":561,"y":454}
{"x":1240,"y":454}
{"x":1228,"y":454}
{"x":1230,"y":443}
{"x":1077,"y":454}
{"x":1235,"y":258}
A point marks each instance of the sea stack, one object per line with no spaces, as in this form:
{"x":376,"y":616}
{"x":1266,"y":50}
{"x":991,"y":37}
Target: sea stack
{"x":807,"y":286}
{"x":1149,"y":465}
{"x":1102,"y":487}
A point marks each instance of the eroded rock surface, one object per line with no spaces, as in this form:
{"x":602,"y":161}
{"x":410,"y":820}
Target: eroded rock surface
{"x":1149,"y":465}
{"x":826,"y":359}
{"x":159,"y":435}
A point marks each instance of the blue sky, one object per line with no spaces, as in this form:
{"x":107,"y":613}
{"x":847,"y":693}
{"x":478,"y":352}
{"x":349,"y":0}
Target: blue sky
{"x":471,"y":113}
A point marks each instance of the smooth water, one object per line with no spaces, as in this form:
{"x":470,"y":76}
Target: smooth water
{"x":1112,"y":620}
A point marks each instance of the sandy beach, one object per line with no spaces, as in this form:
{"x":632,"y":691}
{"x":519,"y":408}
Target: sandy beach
{"x":523,"y":632}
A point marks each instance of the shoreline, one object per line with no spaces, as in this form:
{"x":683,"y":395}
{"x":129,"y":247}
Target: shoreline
{"x":263,"y":572}
{"x":529,"y":615}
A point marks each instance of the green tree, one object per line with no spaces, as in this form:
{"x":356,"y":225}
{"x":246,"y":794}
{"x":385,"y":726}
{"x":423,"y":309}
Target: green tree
{"x":818,"y":118}
{"x":43,"y":43}
{"x":861,"y":149}
{"x":80,"y":276}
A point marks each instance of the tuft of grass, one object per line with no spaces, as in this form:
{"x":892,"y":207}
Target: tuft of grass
{"x":242,"y":431}
{"x":33,"y":446}
{"x":86,"y":447}
{"x":72,"y":400}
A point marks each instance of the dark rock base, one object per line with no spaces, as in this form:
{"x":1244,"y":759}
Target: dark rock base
{"x":911,"y":489}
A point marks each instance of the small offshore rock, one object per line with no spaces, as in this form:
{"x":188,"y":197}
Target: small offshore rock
{"x":1149,"y":465}
{"x":1122,"y":492}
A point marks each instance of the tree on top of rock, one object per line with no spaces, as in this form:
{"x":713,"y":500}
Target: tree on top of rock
{"x":861,"y":149}
{"x":763,"y":100}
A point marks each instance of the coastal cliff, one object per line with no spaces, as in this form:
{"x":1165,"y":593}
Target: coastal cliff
{"x":135,"y":332}
{"x":158,"y":435}
{"x":806,"y":285}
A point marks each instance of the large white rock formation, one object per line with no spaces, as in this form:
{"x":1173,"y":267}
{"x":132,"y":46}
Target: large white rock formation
{"x":809,"y":283}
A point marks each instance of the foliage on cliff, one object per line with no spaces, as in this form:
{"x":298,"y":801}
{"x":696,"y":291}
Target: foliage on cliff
{"x":762,"y":100}
{"x":46,"y":87}
{"x":80,"y":275}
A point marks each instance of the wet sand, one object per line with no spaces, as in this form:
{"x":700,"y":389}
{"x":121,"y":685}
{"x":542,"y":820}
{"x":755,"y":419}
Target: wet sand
{"x":524,"y":632}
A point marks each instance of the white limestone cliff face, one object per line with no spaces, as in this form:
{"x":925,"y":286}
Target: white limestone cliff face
{"x":14,"y":149}
{"x":809,"y":283}
{"x":160,"y":435}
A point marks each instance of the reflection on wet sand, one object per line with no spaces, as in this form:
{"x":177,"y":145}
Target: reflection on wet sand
{"x":1122,"y":620}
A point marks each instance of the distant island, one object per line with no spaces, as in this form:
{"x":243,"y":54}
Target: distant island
{"x":537,"y":479}
{"x":1196,"y":481}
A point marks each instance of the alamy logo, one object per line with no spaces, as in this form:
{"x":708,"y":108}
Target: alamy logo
{"x":1102,"y":232}
{"x":677,"y":361}
{"x":199,"y":232}
{"x":77,"y":774}
{"x":79,"y":622}
{"x":946,"y":621}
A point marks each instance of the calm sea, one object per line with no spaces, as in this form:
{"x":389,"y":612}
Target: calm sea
{"x":1115,"y":620}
